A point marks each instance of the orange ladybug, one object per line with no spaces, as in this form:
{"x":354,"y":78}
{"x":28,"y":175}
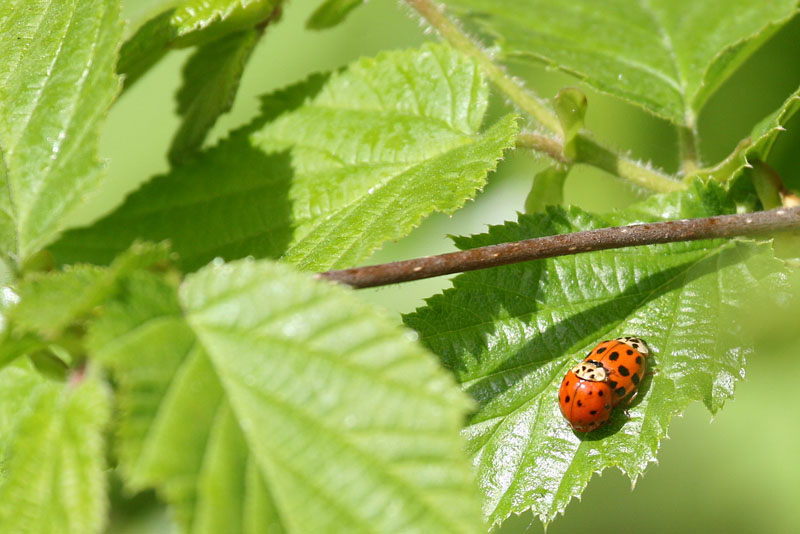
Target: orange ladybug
{"x":609,"y":375}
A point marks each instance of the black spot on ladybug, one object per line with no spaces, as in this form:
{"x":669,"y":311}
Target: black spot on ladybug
{"x":580,"y":403}
{"x":601,"y":350}
{"x":566,"y":399}
{"x":590,"y":392}
{"x":613,"y":356}
{"x":566,"y":383}
{"x":620,"y":391}
{"x":593,"y":412}
{"x":623,"y":370}
{"x":638,"y":359}
{"x":629,"y":351}
{"x":635,"y":379}
{"x":612,"y":384}
{"x":607,"y":406}
{"x":600,"y":393}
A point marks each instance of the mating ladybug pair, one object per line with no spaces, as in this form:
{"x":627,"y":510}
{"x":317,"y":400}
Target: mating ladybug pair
{"x":609,"y":375}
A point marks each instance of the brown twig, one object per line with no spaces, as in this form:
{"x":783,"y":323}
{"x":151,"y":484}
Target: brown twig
{"x":566,"y":244}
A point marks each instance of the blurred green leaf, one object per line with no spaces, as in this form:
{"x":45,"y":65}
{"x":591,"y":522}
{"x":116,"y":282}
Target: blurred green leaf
{"x":509,"y":335}
{"x":50,"y":365}
{"x":296,"y":407}
{"x":667,"y":56}
{"x":53,"y":455}
{"x":349,"y":164}
{"x":547,"y":190}
{"x":50,"y":301}
{"x":56,"y":83}
{"x":330,"y":13}
{"x":190,"y":23}
{"x":167,"y":395}
{"x":758,"y":145}
{"x":210,"y":81}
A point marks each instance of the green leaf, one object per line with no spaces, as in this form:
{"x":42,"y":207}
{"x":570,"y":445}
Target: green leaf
{"x":48,"y":302}
{"x":204,"y":216}
{"x":167,"y":394}
{"x":667,"y":56}
{"x":56,"y":83}
{"x":210,"y":81}
{"x":510,"y":334}
{"x":385,"y":143}
{"x":268,"y":401}
{"x":758,"y":145}
{"x":330,"y":13}
{"x":190,"y":23}
{"x":547,"y":190}
{"x":766,"y":185}
{"x":53,"y":453}
{"x":570,"y":104}
{"x":348,"y":165}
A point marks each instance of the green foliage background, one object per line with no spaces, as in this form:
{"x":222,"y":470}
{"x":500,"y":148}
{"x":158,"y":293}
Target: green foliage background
{"x":737,"y":475}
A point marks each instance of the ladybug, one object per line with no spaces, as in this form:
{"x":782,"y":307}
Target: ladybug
{"x":609,"y":375}
{"x":585,"y":396}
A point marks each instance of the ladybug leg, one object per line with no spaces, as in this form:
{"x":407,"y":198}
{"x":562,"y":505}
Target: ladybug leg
{"x":628,"y":403}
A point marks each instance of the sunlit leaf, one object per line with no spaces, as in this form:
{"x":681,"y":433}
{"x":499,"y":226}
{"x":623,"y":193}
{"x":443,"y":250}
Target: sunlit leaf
{"x":265,"y":400}
{"x":56,"y":83}
{"x":53,"y":478}
{"x":351,"y":161}
{"x":189,"y":23}
{"x":667,"y":56}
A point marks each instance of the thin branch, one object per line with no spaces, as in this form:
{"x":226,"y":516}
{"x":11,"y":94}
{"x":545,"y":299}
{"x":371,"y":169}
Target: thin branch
{"x":567,"y":244}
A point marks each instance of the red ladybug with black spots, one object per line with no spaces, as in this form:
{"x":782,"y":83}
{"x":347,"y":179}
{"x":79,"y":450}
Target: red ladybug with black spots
{"x":608,"y":376}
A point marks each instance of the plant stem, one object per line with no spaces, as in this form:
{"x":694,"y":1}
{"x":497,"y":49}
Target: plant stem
{"x":593,"y":153}
{"x":690,"y":152}
{"x":567,"y":244}
{"x":542,"y":143}
{"x":451,"y":33}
